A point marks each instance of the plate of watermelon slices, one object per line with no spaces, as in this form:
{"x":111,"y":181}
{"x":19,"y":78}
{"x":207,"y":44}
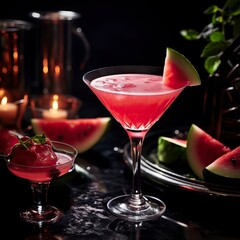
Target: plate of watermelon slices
{"x":175,"y":175}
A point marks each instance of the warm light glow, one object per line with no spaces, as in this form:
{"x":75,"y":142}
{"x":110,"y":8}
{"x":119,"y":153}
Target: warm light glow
{"x":45,"y":69}
{"x":57,"y":70}
{"x":55,"y":97}
{"x":4,"y":101}
{"x":55,"y":102}
{"x":15,"y":68}
{"x":15,"y":55}
{"x":4,"y":70}
{"x":2,"y":92}
{"x":55,"y":105}
{"x":8,"y":112}
{"x":45,"y":66}
{"x":54,"y":112}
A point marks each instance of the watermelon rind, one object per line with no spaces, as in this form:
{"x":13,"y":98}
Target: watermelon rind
{"x":202,"y":149}
{"x":228,"y":165}
{"x":216,"y":179}
{"x":171,"y":150}
{"x":83,"y":134}
{"x":179,"y":71}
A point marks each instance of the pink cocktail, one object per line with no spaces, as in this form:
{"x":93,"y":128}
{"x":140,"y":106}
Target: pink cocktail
{"x":43,"y":173}
{"x":137,"y":101}
{"x":40,"y":176}
{"x":136,"y":98}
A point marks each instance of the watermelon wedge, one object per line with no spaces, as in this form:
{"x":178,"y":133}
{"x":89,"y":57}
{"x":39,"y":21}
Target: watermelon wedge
{"x":202,"y":149}
{"x":171,"y":150}
{"x":224,"y":170}
{"x":82,"y":133}
{"x":178,"y":71}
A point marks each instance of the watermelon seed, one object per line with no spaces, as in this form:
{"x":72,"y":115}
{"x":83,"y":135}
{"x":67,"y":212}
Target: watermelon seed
{"x":235,"y":161}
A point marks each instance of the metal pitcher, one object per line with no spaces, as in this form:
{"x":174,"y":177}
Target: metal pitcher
{"x":54,"y":38}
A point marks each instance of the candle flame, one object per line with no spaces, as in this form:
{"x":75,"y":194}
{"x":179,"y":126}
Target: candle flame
{"x":55,"y":105}
{"x":55,"y":102}
{"x":4,"y":101}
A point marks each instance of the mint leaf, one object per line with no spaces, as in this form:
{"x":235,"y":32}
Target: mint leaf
{"x":213,"y":48}
{"x":217,"y":37}
{"x":219,"y":33}
{"x":190,"y":34}
{"x":212,"y":63}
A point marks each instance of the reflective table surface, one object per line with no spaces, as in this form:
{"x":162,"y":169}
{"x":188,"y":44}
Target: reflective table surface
{"x":101,"y":174}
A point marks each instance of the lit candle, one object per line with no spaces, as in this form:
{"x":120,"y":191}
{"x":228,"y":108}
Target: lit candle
{"x":54,"y":112}
{"x":8,"y":111}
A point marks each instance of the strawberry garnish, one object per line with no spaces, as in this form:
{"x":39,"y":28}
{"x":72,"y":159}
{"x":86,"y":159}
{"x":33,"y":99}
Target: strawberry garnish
{"x":34,"y":151}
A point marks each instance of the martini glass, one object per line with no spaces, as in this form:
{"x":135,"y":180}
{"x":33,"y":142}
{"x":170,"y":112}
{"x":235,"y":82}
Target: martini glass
{"x":41,"y":212}
{"x":136,"y":98}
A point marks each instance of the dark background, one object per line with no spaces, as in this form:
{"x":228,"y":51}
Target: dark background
{"x":131,"y":32}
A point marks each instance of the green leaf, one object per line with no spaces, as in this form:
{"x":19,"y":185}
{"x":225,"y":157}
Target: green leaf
{"x":212,"y":9}
{"x":212,"y":63}
{"x":232,"y":6}
{"x":213,"y":48}
{"x":217,"y":36}
{"x":216,"y":19}
{"x":190,"y":34}
{"x":236,"y":13}
{"x":39,"y":138}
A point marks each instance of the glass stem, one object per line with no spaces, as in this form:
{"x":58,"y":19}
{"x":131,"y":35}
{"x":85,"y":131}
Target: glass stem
{"x":136,"y":142}
{"x":40,"y":196}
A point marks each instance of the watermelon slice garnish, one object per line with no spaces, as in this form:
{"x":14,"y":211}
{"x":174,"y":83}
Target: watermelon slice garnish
{"x":82,"y":133}
{"x":178,"y":71}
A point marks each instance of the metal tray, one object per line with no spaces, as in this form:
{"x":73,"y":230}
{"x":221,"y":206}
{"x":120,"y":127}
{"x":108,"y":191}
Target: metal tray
{"x":172,"y":177}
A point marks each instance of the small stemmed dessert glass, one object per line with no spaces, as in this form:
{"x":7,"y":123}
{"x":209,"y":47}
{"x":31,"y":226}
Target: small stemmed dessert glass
{"x":136,"y":98}
{"x":40,"y":177}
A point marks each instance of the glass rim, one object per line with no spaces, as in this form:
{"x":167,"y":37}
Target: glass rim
{"x":118,"y":69}
{"x":125,"y":69}
{"x":14,"y":24}
{"x":55,"y":15}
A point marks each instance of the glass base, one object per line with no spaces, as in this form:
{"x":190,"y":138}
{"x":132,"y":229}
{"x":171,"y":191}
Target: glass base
{"x":40,"y":218}
{"x":144,"y":209}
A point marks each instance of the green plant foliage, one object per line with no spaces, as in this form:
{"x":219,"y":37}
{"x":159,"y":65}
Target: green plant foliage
{"x":218,"y":34}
